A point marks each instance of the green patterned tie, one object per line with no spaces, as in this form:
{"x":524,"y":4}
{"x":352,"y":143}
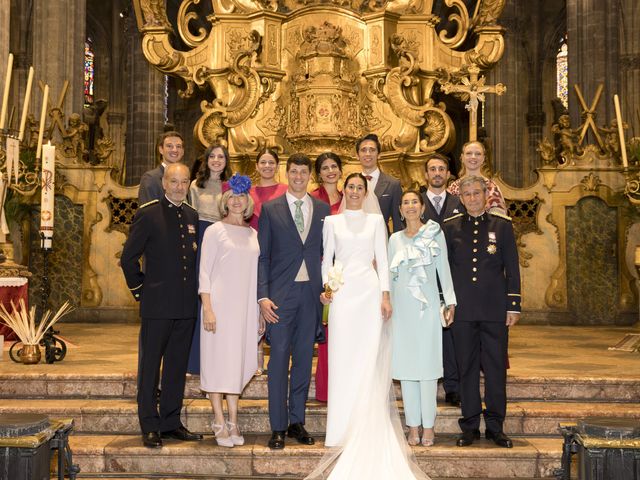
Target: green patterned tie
{"x":297,"y":217}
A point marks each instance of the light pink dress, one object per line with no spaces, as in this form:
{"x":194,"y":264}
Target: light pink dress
{"x":229,"y":274}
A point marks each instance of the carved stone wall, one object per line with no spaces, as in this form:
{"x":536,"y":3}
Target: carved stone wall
{"x":65,"y":260}
{"x":593,"y":283}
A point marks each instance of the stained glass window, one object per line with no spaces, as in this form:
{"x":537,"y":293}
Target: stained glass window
{"x":562,"y":74}
{"x":89,"y":72}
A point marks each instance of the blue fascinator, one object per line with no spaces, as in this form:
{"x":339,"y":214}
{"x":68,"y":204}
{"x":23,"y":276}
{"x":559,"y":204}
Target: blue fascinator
{"x":239,"y":184}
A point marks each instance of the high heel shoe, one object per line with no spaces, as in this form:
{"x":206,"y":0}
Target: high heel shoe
{"x":236,"y":439}
{"x":222,"y":441}
{"x":413,"y":438}
{"x":428,"y":441}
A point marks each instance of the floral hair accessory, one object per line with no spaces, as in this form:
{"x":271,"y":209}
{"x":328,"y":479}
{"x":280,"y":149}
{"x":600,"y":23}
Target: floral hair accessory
{"x":239,"y":184}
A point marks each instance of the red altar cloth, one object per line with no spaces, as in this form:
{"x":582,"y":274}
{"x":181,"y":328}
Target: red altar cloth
{"x":12,"y":289}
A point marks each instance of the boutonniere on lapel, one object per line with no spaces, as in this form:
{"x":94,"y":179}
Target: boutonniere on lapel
{"x":191,"y":229}
{"x":491,"y":248}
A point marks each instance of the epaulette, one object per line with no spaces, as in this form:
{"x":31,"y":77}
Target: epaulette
{"x":455,"y":216}
{"x":189,"y":205}
{"x":149,"y":203}
{"x":501,"y":215}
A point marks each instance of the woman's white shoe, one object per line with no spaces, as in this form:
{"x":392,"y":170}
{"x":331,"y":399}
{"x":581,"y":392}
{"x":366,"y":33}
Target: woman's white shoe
{"x":222,"y":441}
{"x":236,"y":439}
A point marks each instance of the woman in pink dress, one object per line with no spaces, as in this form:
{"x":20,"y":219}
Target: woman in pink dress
{"x":230,"y":318}
{"x":473,"y":163}
{"x":328,"y":169}
{"x":266,"y":189}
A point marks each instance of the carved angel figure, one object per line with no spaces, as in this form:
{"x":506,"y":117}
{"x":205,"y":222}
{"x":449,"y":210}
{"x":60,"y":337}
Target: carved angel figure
{"x":566,"y":138}
{"x":488,"y":12}
{"x":74,"y":138}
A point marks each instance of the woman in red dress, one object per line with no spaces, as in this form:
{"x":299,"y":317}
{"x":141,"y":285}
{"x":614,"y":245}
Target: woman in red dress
{"x":265,"y":189}
{"x":328,"y":169}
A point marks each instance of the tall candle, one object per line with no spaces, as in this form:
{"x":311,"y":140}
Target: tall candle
{"x":623,"y":147}
{"x":25,"y":106}
{"x":47,"y":193}
{"x":43,"y":117}
{"x":5,"y":95}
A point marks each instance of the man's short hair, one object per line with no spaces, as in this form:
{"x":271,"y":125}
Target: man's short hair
{"x":473,"y":179}
{"x":373,"y":137}
{"x":299,"y":159}
{"x":162,"y":137}
{"x":437,"y":156}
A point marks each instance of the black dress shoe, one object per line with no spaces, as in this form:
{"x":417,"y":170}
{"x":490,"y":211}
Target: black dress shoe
{"x":499,"y":438}
{"x":181,"y":433}
{"x":297,"y":431}
{"x":276,"y":442}
{"x":453,"y":399}
{"x":152,"y":440}
{"x":467,"y":438}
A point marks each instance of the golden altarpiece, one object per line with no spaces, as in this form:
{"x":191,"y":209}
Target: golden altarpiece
{"x":313,"y":76}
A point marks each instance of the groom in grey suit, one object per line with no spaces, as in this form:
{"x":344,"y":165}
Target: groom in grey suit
{"x":289,"y":287}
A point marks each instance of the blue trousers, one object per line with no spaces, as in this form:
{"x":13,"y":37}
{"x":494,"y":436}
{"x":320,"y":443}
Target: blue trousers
{"x":291,"y":338}
{"x":419,"y":400}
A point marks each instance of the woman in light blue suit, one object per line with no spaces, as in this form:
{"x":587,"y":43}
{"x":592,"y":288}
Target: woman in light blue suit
{"x":416,"y":255}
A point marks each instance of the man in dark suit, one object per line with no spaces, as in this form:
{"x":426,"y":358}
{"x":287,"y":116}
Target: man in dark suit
{"x":440,"y":205}
{"x":486,"y":277}
{"x":386,"y":188}
{"x":171,"y":149}
{"x":289,"y":287}
{"x":165,"y":231}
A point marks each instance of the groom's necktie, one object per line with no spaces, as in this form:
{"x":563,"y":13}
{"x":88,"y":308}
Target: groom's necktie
{"x":436,"y":200}
{"x":298,"y":218}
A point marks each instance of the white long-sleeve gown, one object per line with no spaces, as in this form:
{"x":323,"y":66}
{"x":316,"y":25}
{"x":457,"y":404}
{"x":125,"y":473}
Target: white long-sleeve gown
{"x":362,"y":422}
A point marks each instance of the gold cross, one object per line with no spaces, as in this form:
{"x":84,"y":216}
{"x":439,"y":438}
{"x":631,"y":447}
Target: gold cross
{"x":589,"y":115}
{"x":56,"y":112}
{"x":473,"y":90}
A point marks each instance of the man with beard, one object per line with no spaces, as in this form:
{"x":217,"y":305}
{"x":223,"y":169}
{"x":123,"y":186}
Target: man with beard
{"x":440,"y":205}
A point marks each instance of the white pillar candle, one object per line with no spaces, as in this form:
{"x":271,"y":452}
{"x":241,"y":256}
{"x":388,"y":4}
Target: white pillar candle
{"x":43,"y":117}
{"x":47,"y":193}
{"x":5,"y":95}
{"x":25,"y":106}
{"x":623,"y":146}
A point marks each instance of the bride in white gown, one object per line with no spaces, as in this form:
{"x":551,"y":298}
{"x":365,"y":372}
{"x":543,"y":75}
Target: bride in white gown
{"x":363,"y":424}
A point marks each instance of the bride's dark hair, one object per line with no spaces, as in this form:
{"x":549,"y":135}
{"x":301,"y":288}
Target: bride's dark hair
{"x":354,"y":175}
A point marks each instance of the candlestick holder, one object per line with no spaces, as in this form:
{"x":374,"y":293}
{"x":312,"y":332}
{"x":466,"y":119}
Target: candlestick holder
{"x":632,"y":184}
{"x":55,"y":347}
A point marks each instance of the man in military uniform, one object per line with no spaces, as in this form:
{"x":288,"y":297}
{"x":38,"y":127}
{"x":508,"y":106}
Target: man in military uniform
{"x":440,"y":205}
{"x":486,"y":278}
{"x":165,"y":231}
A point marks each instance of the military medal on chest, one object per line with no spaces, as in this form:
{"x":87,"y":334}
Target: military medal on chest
{"x":491,"y":248}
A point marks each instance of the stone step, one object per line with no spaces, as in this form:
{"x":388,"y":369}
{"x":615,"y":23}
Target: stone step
{"x":25,"y":384}
{"x":530,"y":458}
{"x":119,"y":416}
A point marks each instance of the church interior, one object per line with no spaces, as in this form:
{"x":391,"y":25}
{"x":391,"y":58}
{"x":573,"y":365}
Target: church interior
{"x":550,"y":87}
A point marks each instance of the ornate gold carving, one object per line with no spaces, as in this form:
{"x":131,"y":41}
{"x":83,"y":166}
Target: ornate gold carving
{"x":591,"y":182}
{"x":315,"y":75}
{"x":488,"y":12}
{"x":184,"y":17}
{"x":461,"y":19}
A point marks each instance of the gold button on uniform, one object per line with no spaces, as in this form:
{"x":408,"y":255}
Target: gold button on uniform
{"x":475,"y":269}
{"x":476,"y":223}
{"x":513,"y":303}
{"x":475,"y":250}
{"x":475,"y":232}
{"x":474,"y":279}
{"x":474,"y":260}
{"x":475,"y":240}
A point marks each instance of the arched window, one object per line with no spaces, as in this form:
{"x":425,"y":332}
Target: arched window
{"x":89,"y":72}
{"x":562,"y":74}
